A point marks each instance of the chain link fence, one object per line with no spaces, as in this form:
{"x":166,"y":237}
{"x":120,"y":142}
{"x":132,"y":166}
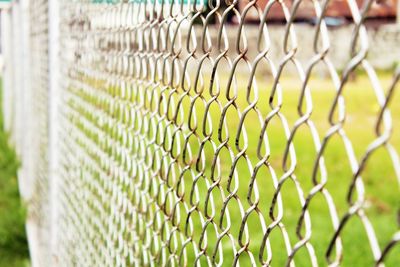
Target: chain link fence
{"x":168,"y":137}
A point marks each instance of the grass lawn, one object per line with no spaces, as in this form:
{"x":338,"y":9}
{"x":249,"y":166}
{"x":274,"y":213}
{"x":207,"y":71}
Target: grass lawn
{"x":13,"y":242}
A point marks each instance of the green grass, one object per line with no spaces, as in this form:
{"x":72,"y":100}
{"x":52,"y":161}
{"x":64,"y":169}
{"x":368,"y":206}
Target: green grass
{"x":13,"y":241}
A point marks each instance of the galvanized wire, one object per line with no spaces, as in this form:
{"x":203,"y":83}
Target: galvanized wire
{"x":161,"y":103}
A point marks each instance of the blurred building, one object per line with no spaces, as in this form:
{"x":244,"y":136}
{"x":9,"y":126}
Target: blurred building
{"x":336,"y":8}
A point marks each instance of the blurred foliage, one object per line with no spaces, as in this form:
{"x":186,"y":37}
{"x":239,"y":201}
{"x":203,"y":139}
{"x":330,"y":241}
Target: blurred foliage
{"x":13,"y":241}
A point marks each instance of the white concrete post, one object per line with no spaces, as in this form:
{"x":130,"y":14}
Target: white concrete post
{"x":54,"y":72}
{"x":26,"y":177}
{"x":18,"y":107}
{"x":398,"y":13}
{"x":6,"y":50}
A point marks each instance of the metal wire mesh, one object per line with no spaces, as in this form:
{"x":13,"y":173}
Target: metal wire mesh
{"x":184,"y":141}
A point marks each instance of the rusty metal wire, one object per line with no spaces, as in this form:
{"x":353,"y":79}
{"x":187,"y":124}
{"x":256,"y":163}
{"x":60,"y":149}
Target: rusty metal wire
{"x":178,"y":146}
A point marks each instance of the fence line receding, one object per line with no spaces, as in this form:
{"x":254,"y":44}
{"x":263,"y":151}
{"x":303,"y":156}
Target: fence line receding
{"x":208,"y":133}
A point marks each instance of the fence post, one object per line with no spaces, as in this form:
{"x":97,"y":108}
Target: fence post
{"x":26,"y":175}
{"x":6,"y":49}
{"x":53,"y":21}
{"x":16,"y":64}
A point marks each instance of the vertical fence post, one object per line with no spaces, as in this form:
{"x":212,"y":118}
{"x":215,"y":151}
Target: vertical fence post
{"x":398,"y":12}
{"x":17,"y":63}
{"x":6,"y":49}
{"x":25,"y":174}
{"x":26,"y":177}
{"x":54,"y":20}
{"x":16,"y":76}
